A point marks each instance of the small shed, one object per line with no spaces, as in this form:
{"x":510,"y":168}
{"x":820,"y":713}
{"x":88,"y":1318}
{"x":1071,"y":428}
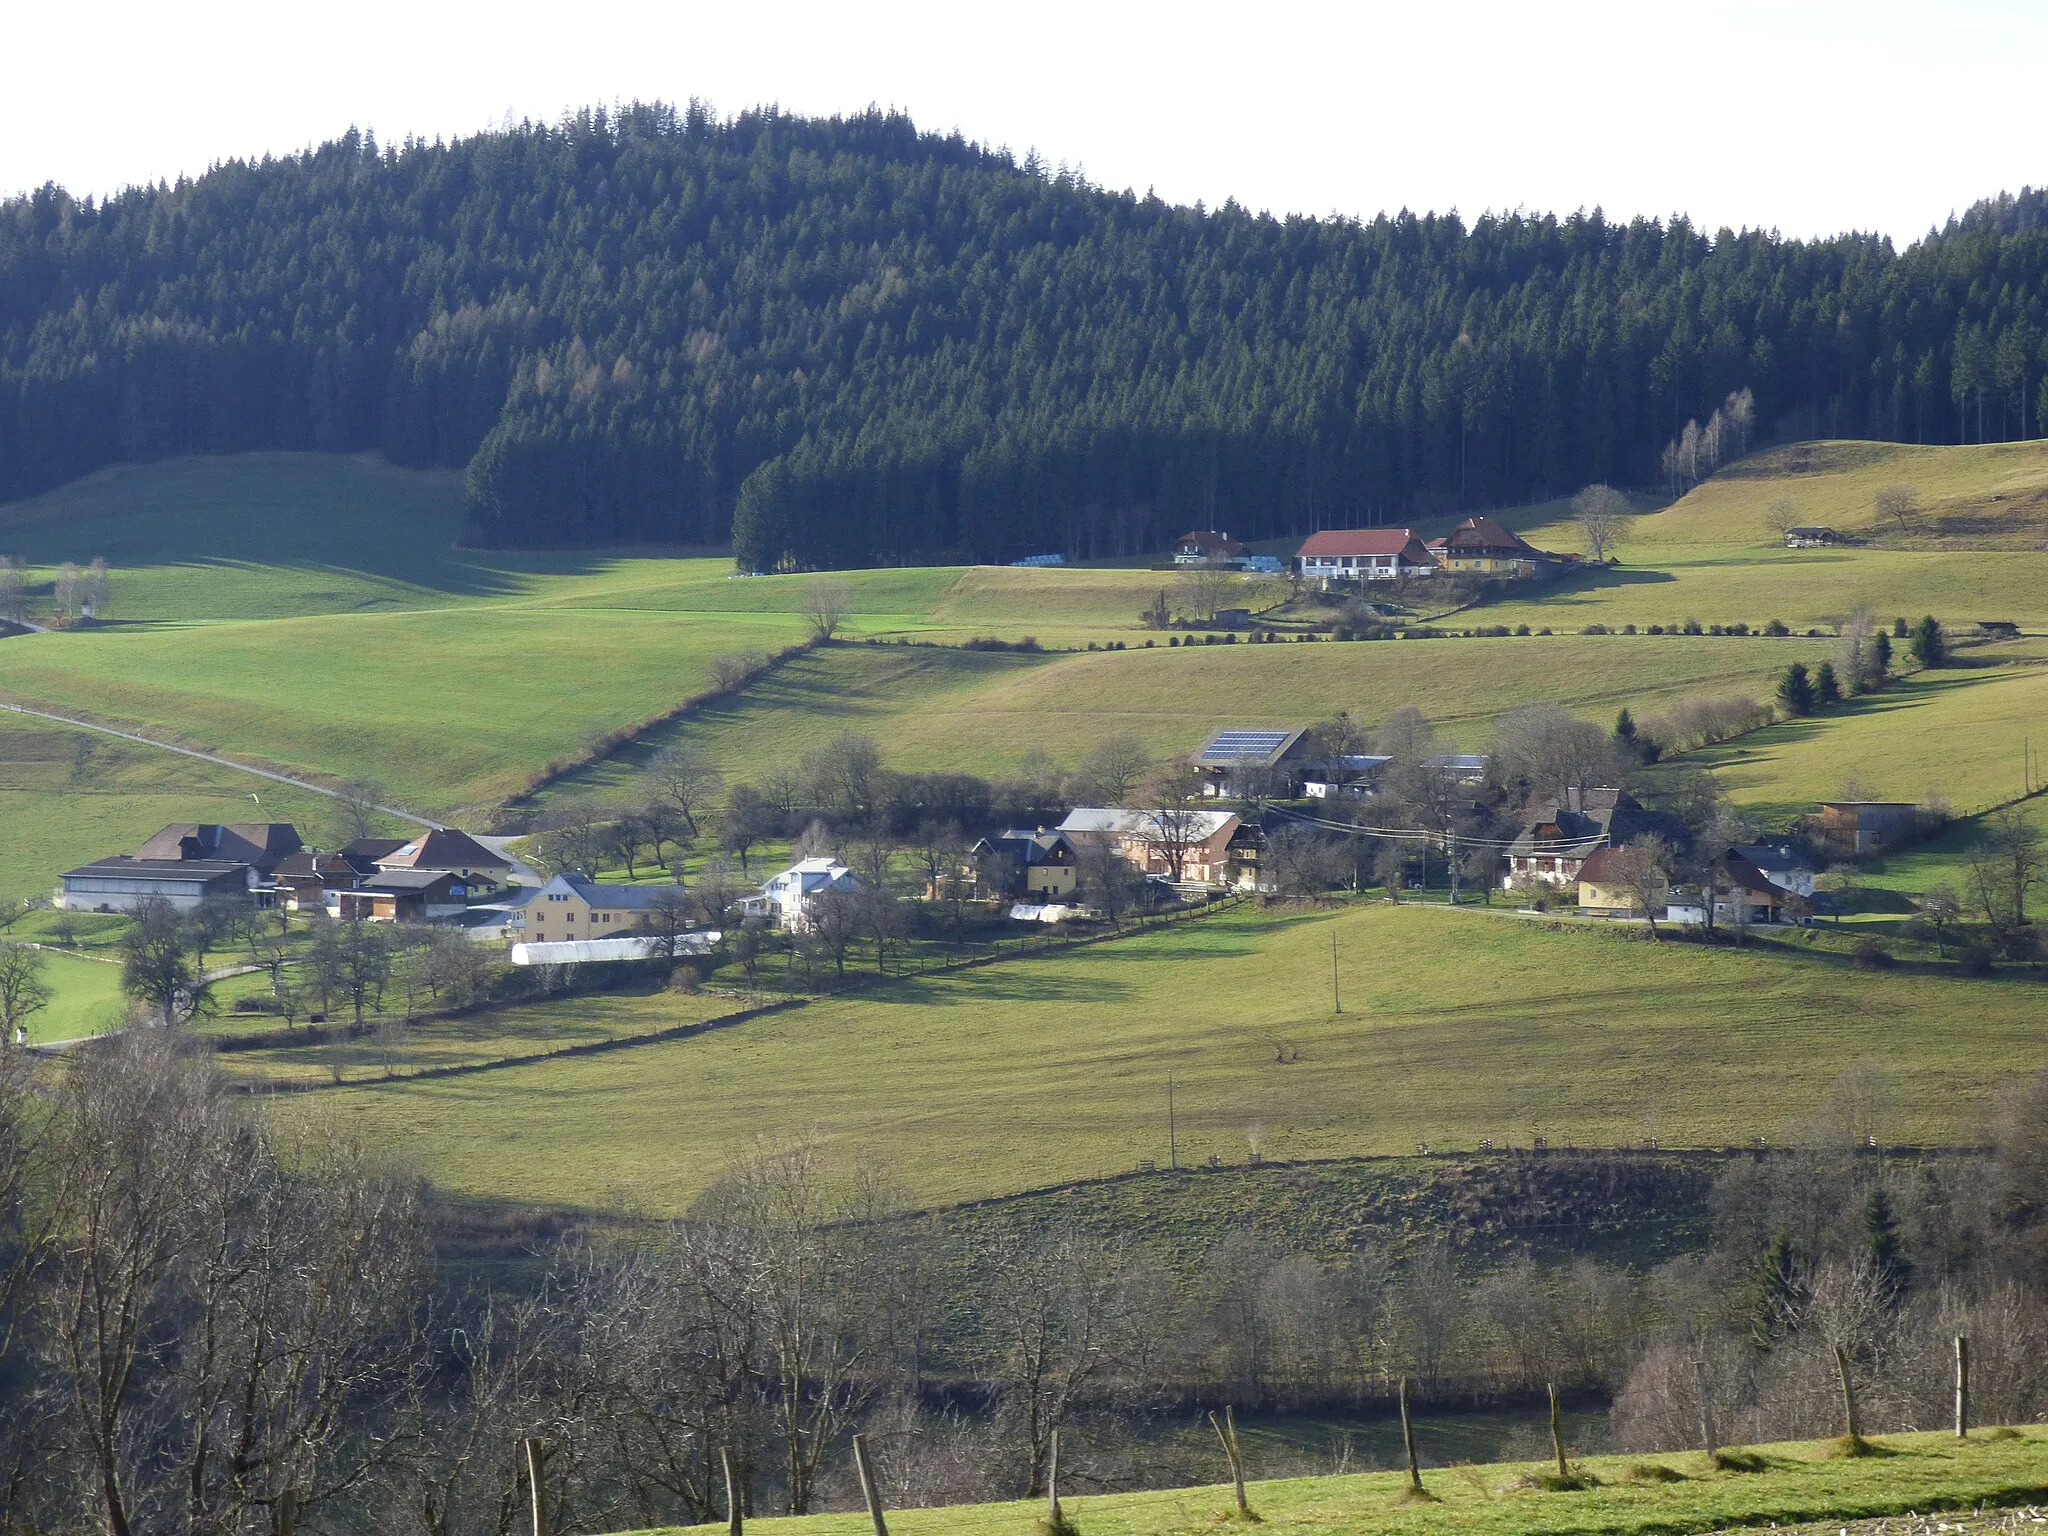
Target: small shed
{"x":1811,"y":538}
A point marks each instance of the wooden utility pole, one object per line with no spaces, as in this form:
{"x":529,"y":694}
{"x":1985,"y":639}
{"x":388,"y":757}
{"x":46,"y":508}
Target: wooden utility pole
{"x":1962,"y":1387}
{"x":733,"y":1517}
{"x":1849,"y":1430}
{"x":1557,"y":1432}
{"x":286,"y":1516}
{"x":1336,"y":995}
{"x":534,"y":1455}
{"x":868,"y":1489}
{"x":1408,"y":1440}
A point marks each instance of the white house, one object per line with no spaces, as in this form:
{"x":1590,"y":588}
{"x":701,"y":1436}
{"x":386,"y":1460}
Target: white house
{"x":786,"y":897}
{"x":1784,"y":866}
{"x":1341,"y":555}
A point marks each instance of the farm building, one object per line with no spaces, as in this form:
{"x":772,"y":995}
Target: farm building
{"x":1155,"y":842}
{"x":304,"y":879}
{"x":401,"y":896}
{"x":261,"y":844}
{"x":1783,"y":865}
{"x":1861,"y":827}
{"x":1604,"y":893}
{"x":1264,"y":761}
{"x":1558,"y":838}
{"x":1207,"y":547}
{"x":1811,"y":538}
{"x":1480,"y":546}
{"x":570,"y":907}
{"x":1039,"y":865}
{"x":445,"y":850}
{"x":1339,"y":556}
{"x":122,"y":884}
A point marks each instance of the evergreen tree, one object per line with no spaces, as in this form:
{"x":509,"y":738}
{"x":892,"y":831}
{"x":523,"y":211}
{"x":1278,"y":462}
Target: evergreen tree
{"x":1827,"y":688}
{"x":1930,"y":645}
{"x":1887,"y":1250}
{"x":1625,"y":728}
{"x":1795,"y":689}
{"x":1880,"y":659}
{"x":1778,"y":1292}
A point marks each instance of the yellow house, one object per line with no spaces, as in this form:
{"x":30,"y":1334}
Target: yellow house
{"x":571,"y":907}
{"x":1603,"y":893}
{"x":1480,"y":546}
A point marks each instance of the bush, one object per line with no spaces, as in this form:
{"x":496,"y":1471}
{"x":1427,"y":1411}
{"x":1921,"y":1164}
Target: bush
{"x":1523,"y":629}
{"x":1777,"y":629}
{"x":1871,"y":955}
{"x":1738,"y":628}
{"x":1628,"y":629}
{"x":1594,"y":629}
{"x":1656,"y":629}
{"x":1692,"y":626}
{"x":1975,"y":959}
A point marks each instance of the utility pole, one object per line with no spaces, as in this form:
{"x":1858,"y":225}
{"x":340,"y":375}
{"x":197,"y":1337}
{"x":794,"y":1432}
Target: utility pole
{"x":1336,"y":996}
{"x":1172,"y":1142}
{"x":1453,"y":857}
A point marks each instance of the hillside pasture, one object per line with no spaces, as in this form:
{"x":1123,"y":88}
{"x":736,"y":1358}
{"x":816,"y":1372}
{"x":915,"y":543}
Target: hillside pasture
{"x":1457,"y":1027}
{"x":1791,"y":1485}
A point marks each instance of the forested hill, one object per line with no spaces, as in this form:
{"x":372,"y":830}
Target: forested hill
{"x":843,"y":341}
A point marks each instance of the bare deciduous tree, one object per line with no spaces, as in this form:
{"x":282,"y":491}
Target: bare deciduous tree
{"x":1602,"y":515}
{"x":825,"y":607}
{"x":1206,"y":589}
{"x":356,"y":809}
{"x":1898,"y":504}
{"x":684,"y":778}
{"x":24,"y":992}
{"x":1782,"y":517}
{"x":1115,"y":768}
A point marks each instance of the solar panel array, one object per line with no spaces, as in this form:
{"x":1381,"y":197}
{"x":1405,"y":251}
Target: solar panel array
{"x":1242,"y":745}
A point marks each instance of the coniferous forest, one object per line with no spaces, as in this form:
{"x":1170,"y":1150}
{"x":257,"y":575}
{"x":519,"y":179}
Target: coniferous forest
{"x":842,"y":341}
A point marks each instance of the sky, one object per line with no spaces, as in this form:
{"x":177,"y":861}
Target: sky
{"x":1807,"y":118}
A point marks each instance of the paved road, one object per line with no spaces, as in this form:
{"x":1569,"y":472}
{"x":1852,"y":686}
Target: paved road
{"x":209,"y":757}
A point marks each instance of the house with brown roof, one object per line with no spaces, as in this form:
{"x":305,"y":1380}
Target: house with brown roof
{"x":1605,"y":891}
{"x":1479,"y":546}
{"x":447,"y":851}
{"x":1859,"y":828}
{"x":1559,"y":836}
{"x":304,"y":879}
{"x":262,"y":844}
{"x":1338,"y":556}
{"x":1206,"y":547}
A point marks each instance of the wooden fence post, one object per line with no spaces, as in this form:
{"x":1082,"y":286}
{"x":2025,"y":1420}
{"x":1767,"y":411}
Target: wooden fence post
{"x":1408,"y":1441}
{"x":868,"y":1488}
{"x":1053,"y":1517}
{"x":1849,"y":1431}
{"x":733,"y":1517}
{"x":1962,"y":1387}
{"x":1226,"y":1431}
{"x":1557,"y":1432}
{"x":286,"y":1514}
{"x":1699,"y":1381}
{"x":534,"y":1455}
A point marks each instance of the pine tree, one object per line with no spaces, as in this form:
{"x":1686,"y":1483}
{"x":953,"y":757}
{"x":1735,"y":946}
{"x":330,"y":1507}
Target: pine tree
{"x":1795,"y":689}
{"x":1880,"y":659}
{"x":1887,"y":1250}
{"x":1777,"y":1292}
{"x":1625,"y":727}
{"x":1930,"y":645}
{"x":1827,"y":689}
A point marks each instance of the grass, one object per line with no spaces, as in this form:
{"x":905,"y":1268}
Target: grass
{"x":1457,"y":1027}
{"x":1803,"y":1483}
{"x":88,"y":998}
{"x":61,"y":808}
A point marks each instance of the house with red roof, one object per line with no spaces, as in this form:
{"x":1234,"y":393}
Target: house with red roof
{"x":1341,"y":555}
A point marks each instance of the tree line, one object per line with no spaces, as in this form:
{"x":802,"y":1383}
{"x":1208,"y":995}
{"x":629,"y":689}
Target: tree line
{"x":843,"y":341}
{"x":218,"y":1321}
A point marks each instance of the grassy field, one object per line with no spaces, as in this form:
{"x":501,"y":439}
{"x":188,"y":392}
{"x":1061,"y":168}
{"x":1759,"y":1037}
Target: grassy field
{"x":62,"y":804}
{"x":1457,"y":1028}
{"x":1651,"y":1494}
{"x":88,"y":998}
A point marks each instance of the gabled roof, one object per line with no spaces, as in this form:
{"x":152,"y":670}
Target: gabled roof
{"x":362,"y":854}
{"x":242,"y":842}
{"x":443,"y":848}
{"x":1483,"y":533}
{"x":1333,"y":543}
{"x":402,"y":880}
{"x":1769,"y":858}
{"x":1201,"y":825}
{"x":308,"y":865}
{"x":1599,"y":868}
{"x":1604,"y":817}
{"x":1209,"y":542}
{"x":607,"y":898}
{"x":1254,"y":748}
{"x":1026,"y":846}
{"x":1750,"y":878}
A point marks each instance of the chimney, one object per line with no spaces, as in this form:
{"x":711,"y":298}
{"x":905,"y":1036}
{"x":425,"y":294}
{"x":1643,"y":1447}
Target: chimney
{"x":1575,"y":798}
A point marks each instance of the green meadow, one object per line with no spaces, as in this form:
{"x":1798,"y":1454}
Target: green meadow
{"x":1457,"y":1027}
{"x":1631,"y":1496}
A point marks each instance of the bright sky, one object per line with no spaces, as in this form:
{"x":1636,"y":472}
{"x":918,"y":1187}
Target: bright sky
{"x":1810,"y":118}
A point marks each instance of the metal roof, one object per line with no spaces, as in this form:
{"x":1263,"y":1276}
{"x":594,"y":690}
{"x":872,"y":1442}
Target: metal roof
{"x":1237,"y":747}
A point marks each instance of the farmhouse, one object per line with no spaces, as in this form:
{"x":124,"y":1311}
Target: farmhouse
{"x":1206,"y":548}
{"x":1811,"y":538}
{"x":448,"y":851}
{"x":121,"y":884}
{"x":362,"y":854}
{"x":1340,"y":556}
{"x":1039,"y":865}
{"x":304,"y":879}
{"x":786,"y":898}
{"x":1557,"y":838}
{"x":1784,"y":866}
{"x":1190,"y":847}
{"x":1603,"y":892}
{"x":1480,"y":546}
{"x":570,"y":907}
{"x":1862,"y":827}
{"x":261,"y":844}
{"x":1262,"y":761}
{"x":1347,"y":773}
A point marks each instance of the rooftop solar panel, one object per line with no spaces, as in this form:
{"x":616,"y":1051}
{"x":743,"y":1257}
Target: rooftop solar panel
{"x":1240,"y":744}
